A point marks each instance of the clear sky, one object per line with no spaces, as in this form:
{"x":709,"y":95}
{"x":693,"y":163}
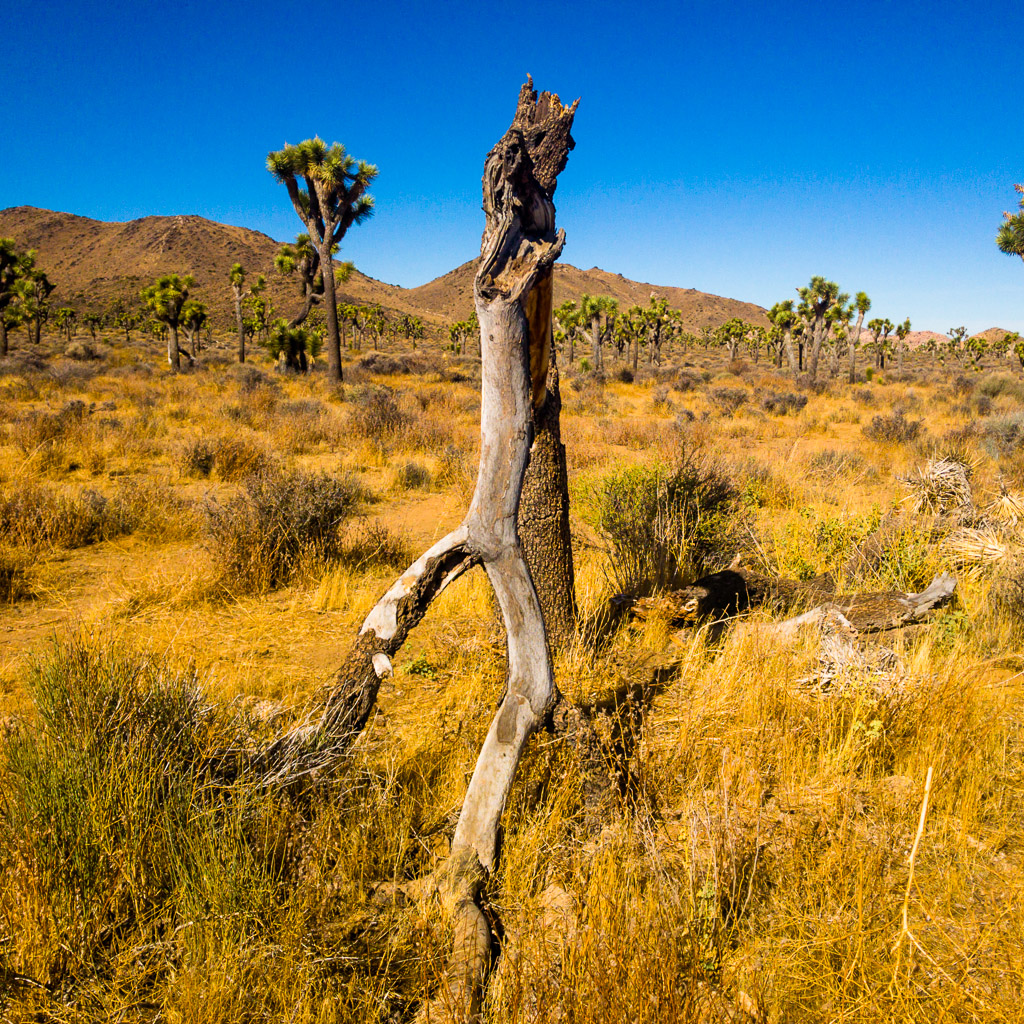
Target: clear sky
{"x":738,"y":148}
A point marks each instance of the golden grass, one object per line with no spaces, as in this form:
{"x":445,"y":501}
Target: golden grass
{"x":758,"y":853}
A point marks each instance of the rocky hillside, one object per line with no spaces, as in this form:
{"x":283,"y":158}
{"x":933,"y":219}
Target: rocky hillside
{"x":93,"y":261}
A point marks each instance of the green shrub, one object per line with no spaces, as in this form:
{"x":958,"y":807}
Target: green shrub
{"x":666,"y":527}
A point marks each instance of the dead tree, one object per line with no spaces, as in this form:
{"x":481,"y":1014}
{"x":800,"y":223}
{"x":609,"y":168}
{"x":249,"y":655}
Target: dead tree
{"x":513,"y":293}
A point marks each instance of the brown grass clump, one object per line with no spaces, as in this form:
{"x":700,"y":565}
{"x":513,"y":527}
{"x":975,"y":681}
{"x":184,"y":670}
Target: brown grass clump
{"x":276,"y":523}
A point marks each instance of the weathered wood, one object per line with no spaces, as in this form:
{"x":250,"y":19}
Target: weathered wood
{"x":727,"y":593}
{"x":731,"y":591}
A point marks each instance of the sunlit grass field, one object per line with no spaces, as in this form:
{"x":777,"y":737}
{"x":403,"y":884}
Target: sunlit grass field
{"x":185,"y":559}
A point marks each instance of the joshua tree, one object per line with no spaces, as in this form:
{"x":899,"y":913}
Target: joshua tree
{"x":10,"y":262}
{"x":461,"y":331}
{"x":294,"y":344}
{"x":817,"y":299}
{"x":64,"y":318}
{"x":783,"y":318}
{"x":193,"y":319}
{"x":329,"y":192}
{"x":731,"y":333}
{"x":569,"y":319}
{"x":236,"y":275}
{"x":303,"y":261}
{"x":94,"y":321}
{"x":1010,"y":237}
{"x":861,"y":303}
{"x":957,"y":339}
{"x":124,"y":319}
{"x":33,"y":289}
{"x":592,"y":310}
{"x":165,"y":300}
{"x":902,"y":330}
{"x":881,"y":329}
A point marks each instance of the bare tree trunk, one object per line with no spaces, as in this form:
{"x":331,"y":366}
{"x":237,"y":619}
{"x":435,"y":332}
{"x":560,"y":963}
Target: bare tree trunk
{"x":173,"y":352}
{"x":787,"y":345}
{"x":333,"y":338}
{"x":817,"y":337}
{"x":513,"y":301}
{"x":853,"y":348}
{"x":3,"y":335}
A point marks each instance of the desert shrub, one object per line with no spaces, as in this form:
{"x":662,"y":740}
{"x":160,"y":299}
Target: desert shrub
{"x":727,"y":400}
{"x":781,"y":403}
{"x":235,"y":458}
{"x":624,"y":375}
{"x":455,"y":469}
{"x":46,"y":435}
{"x":35,"y":516}
{"x":863,"y":395}
{"x":759,"y":486}
{"x":666,"y":526}
{"x":738,"y":367}
{"x":659,"y":398}
{"x":80,"y":350}
{"x":894,"y":428}
{"x":995,"y":385}
{"x":962,"y":384}
{"x":196,"y":457}
{"x":687,"y":380}
{"x":304,"y":425}
{"x":1003,"y":435}
{"x":982,"y":405}
{"x":391,"y":365}
{"x":378,"y":414}
{"x":412,"y":476}
{"x":833,"y":465}
{"x":277,"y":521}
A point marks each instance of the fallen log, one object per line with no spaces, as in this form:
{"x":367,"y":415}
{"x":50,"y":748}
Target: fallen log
{"x":727,"y":593}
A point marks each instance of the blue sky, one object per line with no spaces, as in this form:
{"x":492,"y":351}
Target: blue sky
{"x":736,"y":148}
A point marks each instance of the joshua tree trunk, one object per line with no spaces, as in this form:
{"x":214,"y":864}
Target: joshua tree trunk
{"x":853,"y":348}
{"x":173,"y":354}
{"x":817,"y":338}
{"x":331,"y":312}
{"x":240,"y":322}
{"x":3,"y":336}
{"x":595,"y":336}
{"x":544,"y":520}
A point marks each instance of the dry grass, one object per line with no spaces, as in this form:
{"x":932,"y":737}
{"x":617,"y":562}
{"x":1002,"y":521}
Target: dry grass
{"x":757,"y":856}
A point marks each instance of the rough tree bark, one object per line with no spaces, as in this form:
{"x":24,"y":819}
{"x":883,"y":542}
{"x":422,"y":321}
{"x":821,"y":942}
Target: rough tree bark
{"x":544,"y":521}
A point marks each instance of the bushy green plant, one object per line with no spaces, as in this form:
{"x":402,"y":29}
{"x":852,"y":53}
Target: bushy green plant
{"x":667,"y":526}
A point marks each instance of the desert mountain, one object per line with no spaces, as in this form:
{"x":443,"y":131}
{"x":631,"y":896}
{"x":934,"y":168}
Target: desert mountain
{"x":93,"y":261}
